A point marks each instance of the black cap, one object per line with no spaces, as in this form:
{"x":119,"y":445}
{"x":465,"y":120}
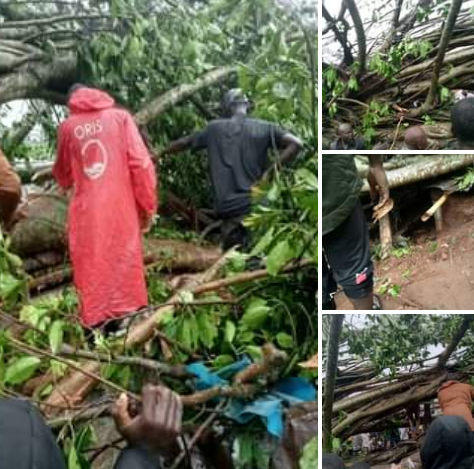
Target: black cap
{"x":232,"y":98}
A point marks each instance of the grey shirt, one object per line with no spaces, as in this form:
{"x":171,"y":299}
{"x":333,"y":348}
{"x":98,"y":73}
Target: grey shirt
{"x":238,"y":151}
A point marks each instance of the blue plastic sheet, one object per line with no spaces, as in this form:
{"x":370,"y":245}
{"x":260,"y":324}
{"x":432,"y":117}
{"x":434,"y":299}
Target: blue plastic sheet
{"x":268,"y":407}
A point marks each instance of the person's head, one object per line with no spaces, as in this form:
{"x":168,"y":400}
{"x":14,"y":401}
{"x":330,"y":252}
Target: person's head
{"x":345,"y":132}
{"x":462,"y":123}
{"x":449,"y":444}
{"x":415,"y":138}
{"x":234,"y":102}
{"x":72,"y":89}
{"x":332,"y":461}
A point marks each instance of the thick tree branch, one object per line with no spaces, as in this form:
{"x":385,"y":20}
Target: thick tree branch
{"x":331,"y":371}
{"x":342,"y":38}
{"x":360,"y":33}
{"x":444,"y":357}
{"x":447,"y":31}
{"x":180,"y":93}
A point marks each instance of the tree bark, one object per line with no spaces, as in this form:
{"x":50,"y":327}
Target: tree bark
{"x":461,"y":332}
{"x":181,"y":92}
{"x":360,"y":32}
{"x":426,"y":167}
{"x":331,"y":371}
{"x":447,"y":31}
{"x":342,"y":38}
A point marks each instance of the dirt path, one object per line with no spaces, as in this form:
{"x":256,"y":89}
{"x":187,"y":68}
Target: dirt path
{"x":438,"y":273}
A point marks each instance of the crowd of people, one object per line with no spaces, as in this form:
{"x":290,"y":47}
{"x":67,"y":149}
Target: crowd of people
{"x":447,"y":441}
{"x":415,"y":137}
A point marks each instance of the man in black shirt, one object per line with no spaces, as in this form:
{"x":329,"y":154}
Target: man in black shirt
{"x":346,"y":140}
{"x":238,"y":150}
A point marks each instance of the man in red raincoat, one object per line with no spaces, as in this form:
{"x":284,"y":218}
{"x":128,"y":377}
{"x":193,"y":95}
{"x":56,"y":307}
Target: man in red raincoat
{"x":103,"y":158}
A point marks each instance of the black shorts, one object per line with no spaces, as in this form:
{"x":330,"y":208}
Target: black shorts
{"x":346,"y":258}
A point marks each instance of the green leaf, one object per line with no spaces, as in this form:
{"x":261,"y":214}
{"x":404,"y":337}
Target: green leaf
{"x":254,"y":351}
{"x":256,"y":313}
{"x":223,"y":360}
{"x":264,"y":242}
{"x":230,"y":330}
{"x":58,"y":368}
{"x":207,"y":329}
{"x":21,"y":370}
{"x":73,"y":460}
{"x":56,"y":335}
{"x":279,"y":256}
{"x":284,"y":340}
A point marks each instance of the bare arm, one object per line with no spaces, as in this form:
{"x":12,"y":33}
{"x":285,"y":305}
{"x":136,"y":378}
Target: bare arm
{"x":177,"y":146}
{"x":378,"y":180}
{"x":292,"y":145}
{"x":375,"y":161}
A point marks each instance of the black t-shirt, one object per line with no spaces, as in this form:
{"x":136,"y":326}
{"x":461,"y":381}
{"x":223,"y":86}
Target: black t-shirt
{"x":356,"y":144}
{"x":238,"y":150}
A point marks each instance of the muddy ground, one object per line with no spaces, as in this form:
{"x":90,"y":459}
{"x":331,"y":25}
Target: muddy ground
{"x":438,"y":271}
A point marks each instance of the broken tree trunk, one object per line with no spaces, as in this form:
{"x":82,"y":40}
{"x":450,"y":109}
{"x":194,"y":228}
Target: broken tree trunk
{"x":443,"y":45}
{"x":426,"y":167}
{"x":331,"y":371}
{"x":41,"y":237}
{"x":43,"y":228}
{"x":165,"y":254}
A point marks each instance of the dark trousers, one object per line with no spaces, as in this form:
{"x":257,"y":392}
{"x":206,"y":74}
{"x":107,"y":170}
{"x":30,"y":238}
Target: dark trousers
{"x":26,"y":442}
{"x":346,"y":258}
{"x":234,"y":233}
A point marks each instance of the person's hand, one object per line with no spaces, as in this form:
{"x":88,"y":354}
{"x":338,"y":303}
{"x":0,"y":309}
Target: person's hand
{"x":157,"y":425}
{"x":378,"y":186}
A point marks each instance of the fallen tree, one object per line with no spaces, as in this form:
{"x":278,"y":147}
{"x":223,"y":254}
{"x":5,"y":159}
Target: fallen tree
{"x":415,"y":169}
{"x":388,"y":399}
{"x":74,"y":388}
{"x":411,"y":71}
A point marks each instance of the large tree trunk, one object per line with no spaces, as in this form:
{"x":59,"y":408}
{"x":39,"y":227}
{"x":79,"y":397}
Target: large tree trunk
{"x":446,"y":36}
{"x":426,"y":167}
{"x":360,"y":32}
{"x":331,"y":371}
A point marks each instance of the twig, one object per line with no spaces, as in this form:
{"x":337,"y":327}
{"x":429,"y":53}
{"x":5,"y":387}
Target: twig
{"x":397,"y":132}
{"x":178,"y":371}
{"x":247,"y":277}
{"x":36,"y":351}
{"x":199,"y":432}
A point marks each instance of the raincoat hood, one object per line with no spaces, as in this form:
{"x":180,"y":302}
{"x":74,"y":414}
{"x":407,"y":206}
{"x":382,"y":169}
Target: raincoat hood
{"x":449,"y":444}
{"x":89,"y":100}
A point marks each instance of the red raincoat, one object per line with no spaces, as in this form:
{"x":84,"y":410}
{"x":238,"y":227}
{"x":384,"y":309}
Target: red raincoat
{"x":103,"y":157}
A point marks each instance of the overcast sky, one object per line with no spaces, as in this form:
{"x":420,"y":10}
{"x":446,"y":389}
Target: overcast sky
{"x":375,"y":14}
